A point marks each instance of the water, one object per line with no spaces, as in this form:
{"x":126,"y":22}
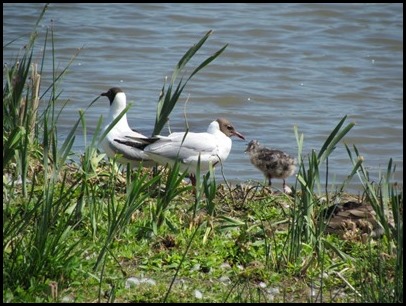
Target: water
{"x":286,"y":65}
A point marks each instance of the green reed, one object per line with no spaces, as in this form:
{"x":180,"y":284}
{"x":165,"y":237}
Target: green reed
{"x":307,"y":224}
{"x":37,"y":217}
{"x":169,"y":97}
{"x":386,"y":198}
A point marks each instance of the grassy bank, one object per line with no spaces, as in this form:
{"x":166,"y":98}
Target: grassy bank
{"x":86,"y":231}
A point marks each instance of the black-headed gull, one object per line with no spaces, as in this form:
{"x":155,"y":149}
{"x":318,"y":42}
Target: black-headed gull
{"x":272,"y":163}
{"x":213,"y":146}
{"x":132,"y":156}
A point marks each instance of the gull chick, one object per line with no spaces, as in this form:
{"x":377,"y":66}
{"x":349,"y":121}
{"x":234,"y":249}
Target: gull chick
{"x":272,"y":163}
{"x":133,"y":156}
{"x":212,"y":146}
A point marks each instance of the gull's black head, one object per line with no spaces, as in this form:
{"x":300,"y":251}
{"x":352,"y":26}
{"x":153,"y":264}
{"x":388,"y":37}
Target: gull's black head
{"x":111,"y":93}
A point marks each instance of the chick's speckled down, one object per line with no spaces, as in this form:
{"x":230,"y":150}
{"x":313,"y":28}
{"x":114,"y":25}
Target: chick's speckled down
{"x":272,"y":163}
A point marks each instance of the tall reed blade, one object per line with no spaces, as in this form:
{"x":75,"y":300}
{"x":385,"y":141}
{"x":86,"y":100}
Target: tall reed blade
{"x":168,"y":100}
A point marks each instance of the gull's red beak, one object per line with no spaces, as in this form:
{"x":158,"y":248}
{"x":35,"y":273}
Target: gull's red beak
{"x":239,"y":135}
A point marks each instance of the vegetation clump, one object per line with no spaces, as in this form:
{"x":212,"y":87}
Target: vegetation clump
{"x":84,"y":230}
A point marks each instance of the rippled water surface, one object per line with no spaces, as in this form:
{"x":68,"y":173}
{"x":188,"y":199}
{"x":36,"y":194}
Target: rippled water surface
{"x":286,"y":65}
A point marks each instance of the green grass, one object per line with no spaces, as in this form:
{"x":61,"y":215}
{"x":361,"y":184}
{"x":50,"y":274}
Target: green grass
{"x":83,"y":231}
